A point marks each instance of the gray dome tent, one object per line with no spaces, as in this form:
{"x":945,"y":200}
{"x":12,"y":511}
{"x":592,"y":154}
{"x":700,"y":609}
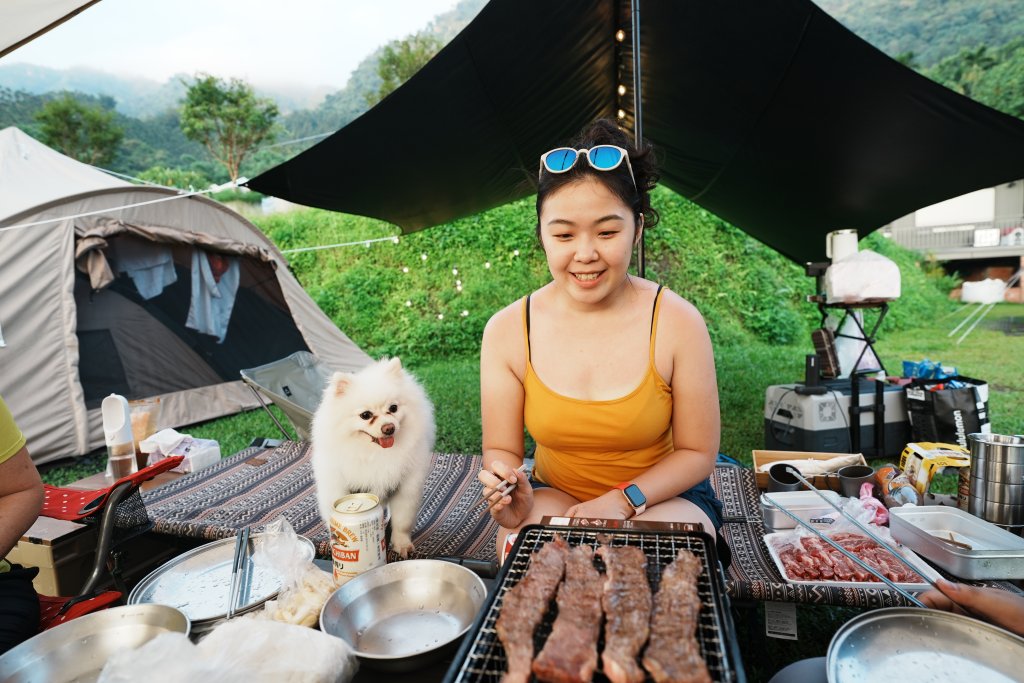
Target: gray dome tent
{"x":74,"y":326}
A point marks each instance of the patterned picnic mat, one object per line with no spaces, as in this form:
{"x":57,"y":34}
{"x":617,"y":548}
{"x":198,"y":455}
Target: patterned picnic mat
{"x":256,"y":486}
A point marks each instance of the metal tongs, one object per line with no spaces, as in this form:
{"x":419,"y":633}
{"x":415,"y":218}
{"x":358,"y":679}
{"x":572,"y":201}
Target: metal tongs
{"x":504,"y":488}
{"x":867,"y":532}
{"x":239,"y":572}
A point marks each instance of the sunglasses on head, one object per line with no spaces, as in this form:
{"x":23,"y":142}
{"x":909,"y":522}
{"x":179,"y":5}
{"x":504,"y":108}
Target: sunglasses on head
{"x":600,"y":158}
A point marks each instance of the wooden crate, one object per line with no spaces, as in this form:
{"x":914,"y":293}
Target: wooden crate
{"x":762,"y":457}
{"x":62,"y":550}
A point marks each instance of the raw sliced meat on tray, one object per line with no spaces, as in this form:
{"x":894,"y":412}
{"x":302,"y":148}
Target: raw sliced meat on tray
{"x":808,"y":558}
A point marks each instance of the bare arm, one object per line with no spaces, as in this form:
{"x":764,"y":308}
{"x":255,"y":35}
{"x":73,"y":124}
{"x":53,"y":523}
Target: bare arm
{"x":502,"y":363}
{"x":21,"y":498}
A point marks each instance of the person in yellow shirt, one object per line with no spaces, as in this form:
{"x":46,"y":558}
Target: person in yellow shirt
{"x":21,"y":499}
{"x":612,"y":375}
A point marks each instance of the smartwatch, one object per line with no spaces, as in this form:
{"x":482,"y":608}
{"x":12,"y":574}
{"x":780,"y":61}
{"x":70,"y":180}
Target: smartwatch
{"x":634,"y":496}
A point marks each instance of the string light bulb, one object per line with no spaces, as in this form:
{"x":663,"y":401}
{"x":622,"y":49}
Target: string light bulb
{"x":405,"y":269}
{"x":440,"y":316}
{"x":423,"y":257}
{"x":620,"y":36}
{"x":622,"y":90}
{"x":394,"y":240}
{"x":515,"y":252}
{"x":455,"y":271}
{"x":465,"y":313}
{"x":408,"y":303}
{"x":487,"y":264}
{"x":622,"y":114}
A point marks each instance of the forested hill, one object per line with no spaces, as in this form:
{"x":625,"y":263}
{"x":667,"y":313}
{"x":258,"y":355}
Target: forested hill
{"x":930,"y":29}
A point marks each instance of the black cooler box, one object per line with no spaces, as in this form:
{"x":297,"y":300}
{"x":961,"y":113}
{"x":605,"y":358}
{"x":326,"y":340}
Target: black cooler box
{"x":822,"y":422}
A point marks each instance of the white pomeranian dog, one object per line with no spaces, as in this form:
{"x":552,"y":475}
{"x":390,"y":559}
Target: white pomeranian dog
{"x":374,"y":433}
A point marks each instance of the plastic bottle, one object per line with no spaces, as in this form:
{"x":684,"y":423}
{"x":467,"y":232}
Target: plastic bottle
{"x":117,"y":430}
{"x":897,"y":489}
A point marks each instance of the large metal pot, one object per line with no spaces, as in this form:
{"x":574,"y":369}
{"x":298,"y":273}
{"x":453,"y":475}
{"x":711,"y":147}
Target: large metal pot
{"x":77,"y":650}
{"x":404,"y":615}
{"x":913,"y":645}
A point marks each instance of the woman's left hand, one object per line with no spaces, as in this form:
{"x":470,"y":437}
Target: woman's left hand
{"x":611,"y":505}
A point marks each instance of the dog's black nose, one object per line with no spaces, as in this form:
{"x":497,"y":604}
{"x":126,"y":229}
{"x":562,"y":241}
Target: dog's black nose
{"x":387,"y":429}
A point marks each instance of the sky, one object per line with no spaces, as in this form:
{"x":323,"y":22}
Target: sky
{"x":265,"y":42}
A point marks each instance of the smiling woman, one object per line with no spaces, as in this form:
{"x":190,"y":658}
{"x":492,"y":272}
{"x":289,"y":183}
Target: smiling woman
{"x":612,"y":375}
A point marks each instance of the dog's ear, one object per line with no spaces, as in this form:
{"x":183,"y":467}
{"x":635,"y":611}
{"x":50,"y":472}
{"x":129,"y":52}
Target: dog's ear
{"x":340,"y":382}
{"x":394,"y":366}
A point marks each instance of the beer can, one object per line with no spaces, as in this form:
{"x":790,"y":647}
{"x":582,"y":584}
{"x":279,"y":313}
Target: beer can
{"x":357,"y":536}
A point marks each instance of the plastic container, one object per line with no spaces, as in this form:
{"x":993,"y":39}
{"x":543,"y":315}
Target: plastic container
{"x":117,"y":431}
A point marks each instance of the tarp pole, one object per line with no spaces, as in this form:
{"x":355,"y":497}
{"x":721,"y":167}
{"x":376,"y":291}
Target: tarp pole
{"x":637,"y":115}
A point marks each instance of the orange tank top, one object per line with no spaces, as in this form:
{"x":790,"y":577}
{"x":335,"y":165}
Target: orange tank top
{"x":586,"y":448}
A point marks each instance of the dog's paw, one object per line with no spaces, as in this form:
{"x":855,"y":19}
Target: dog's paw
{"x":401,"y":544}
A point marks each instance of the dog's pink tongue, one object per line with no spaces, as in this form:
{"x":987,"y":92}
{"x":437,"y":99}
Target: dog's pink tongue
{"x":386,"y":441}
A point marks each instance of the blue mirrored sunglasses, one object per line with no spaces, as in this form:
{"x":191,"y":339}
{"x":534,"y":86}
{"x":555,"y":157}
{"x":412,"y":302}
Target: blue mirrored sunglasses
{"x":600,"y":158}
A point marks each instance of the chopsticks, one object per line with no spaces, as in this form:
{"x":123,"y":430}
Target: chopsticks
{"x":239,"y":569}
{"x":504,"y":489}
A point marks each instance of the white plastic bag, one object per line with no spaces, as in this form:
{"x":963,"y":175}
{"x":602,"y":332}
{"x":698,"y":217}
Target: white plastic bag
{"x":243,"y":650}
{"x":304,"y":586}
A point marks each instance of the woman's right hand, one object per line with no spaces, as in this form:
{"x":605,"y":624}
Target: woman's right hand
{"x":511,"y":509}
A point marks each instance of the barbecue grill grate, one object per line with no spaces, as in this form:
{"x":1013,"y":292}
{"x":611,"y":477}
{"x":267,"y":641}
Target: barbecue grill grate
{"x":482,"y":657}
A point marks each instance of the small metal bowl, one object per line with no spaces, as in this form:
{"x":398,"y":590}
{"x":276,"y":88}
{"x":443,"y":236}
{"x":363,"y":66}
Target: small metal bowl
{"x":78,"y":649}
{"x":404,"y":615}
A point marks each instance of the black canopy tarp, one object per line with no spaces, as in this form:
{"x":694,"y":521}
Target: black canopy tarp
{"x":768,"y":113}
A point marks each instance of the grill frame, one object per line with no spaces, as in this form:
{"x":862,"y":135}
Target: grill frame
{"x":481,"y":657}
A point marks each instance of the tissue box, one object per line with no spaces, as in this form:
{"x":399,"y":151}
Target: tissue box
{"x":199,"y":453}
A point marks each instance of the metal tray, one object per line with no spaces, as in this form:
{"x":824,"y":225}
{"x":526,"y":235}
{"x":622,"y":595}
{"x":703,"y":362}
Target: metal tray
{"x":197,"y":582}
{"x":482,"y":657}
{"x":995,"y":553}
{"x":908,"y":644}
{"x":923,"y":568}
{"x":807,"y":505}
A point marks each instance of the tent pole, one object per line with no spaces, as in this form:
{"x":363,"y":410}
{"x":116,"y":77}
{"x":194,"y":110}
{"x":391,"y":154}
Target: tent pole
{"x":637,"y":116}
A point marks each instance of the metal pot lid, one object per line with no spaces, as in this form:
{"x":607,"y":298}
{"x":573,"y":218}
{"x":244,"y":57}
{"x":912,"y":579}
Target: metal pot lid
{"x":198,"y":582}
{"x":911,"y":645}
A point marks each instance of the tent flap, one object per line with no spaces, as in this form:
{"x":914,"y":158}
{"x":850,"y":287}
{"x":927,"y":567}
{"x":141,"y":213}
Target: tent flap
{"x":770,"y":114}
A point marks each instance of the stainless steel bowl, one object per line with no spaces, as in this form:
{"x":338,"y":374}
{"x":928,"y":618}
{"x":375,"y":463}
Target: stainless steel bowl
{"x":404,"y":615}
{"x":77,"y":650}
{"x":913,"y":645}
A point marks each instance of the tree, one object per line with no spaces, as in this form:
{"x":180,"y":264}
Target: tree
{"x":399,"y":60}
{"x":227,"y":118}
{"x":83,"y":132}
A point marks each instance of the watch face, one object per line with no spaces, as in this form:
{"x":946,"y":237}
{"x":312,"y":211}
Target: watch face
{"x":635,"y":496}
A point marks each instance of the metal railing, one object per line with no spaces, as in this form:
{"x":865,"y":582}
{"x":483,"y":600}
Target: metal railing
{"x":999,"y":235}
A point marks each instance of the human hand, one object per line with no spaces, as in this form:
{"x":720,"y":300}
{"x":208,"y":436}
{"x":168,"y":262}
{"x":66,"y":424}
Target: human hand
{"x":511,"y":509}
{"x":611,"y":505}
{"x":998,"y":607}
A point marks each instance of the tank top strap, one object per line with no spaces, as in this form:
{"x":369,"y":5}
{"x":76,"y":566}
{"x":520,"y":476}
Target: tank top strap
{"x":526,"y":325}
{"x":654,"y":320}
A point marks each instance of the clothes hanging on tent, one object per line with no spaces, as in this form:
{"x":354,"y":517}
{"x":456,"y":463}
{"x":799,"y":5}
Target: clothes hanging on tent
{"x":150,"y":266}
{"x":213,"y":293}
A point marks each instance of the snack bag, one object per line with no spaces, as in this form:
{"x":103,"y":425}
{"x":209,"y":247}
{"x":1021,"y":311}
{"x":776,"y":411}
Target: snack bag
{"x":897,"y":489}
